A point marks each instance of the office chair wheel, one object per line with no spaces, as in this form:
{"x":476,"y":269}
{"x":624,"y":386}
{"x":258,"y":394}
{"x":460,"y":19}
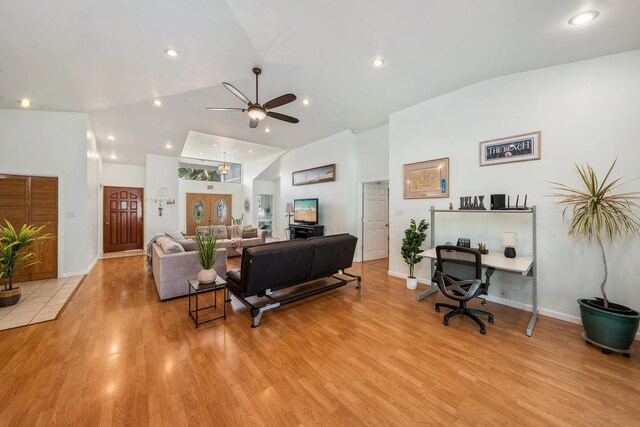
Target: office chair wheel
{"x":437,"y":309}
{"x":446,"y":322}
{"x":490,"y":319}
{"x":483,"y":331}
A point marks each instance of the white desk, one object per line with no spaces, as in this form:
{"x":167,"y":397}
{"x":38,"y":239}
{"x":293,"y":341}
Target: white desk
{"x":519,"y":265}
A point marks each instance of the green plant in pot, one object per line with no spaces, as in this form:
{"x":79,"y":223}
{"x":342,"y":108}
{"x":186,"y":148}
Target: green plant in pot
{"x":15,"y":255}
{"x":599,"y":211}
{"x":206,"y":252}
{"x":414,"y":237}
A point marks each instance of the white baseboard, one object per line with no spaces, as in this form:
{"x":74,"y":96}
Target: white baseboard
{"x":515,"y":304}
{"x":81,"y":273}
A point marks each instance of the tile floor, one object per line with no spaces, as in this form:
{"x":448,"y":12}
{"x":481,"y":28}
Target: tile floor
{"x":41,"y":301}
{"x":122,"y":253}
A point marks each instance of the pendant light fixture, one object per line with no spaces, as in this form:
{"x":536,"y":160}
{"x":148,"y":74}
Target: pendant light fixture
{"x":224,"y":167}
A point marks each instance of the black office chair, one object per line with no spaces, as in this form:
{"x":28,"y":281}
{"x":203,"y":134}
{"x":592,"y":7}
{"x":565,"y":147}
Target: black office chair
{"x":461,"y":290}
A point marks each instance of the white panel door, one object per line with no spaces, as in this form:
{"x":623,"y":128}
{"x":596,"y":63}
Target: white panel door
{"x":376,"y":221}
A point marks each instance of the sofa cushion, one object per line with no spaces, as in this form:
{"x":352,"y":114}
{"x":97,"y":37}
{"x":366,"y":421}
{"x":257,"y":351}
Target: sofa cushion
{"x":235,"y":231}
{"x":169,"y":246}
{"x":175,"y":235}
{"x":189,"y":245}
{"x":221,"y":231}
{"x":249,"y":233}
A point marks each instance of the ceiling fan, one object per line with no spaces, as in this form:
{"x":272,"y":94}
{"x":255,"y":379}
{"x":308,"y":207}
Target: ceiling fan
{"x":256,"y":111}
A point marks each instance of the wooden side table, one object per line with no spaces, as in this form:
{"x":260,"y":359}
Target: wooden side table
{"x":199,"y":288}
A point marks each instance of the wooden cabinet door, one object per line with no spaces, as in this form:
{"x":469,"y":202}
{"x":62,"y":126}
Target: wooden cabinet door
{"x":33,"y":200}
{"x":123,"y":220}
{"x":198,"y":212}
{"x":44,"y":211}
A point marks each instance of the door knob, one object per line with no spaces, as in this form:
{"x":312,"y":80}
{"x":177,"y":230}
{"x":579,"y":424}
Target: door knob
{"x":107,"y":222}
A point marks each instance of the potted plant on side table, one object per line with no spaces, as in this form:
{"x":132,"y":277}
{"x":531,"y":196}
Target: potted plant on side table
{"x":414,"y":237}
{"x":598,"y":211}
{"x":206,"y":251}
{"x":14,"y":254}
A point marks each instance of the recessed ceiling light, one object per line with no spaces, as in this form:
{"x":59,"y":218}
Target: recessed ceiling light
{"x":171,"y":52}
{"x":199,"y":154}
{"x":111,"y":138}
{"x":24,"y":103}
{"x":584,"y":17}
{"x":157,"y":102}
{"x":377,"y":62}
{"x":113,"y":157}
{"x":306,"y":101}
{"x":168,"y":145}
{"x":267,"y":130}
{"x":251,"y":151}
{"x":214,"y":145}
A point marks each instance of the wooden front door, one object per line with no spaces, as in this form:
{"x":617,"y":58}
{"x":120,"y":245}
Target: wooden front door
{"x":123,"y":220}
{"x":33,"y":200}
{"x":207,"y":209}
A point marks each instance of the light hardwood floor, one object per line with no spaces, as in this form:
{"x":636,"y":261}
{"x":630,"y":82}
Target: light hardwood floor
{"x":117,"y":355}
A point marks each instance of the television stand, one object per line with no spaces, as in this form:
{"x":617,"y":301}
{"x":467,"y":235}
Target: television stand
{"x":302,"y":231}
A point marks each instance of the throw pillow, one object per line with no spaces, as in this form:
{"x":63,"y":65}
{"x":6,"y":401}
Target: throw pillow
{"x":236,"y":231}
{"x":250,"y":233}
{"x":221,"y":231}
{"x":175,"y":235}
{"x":188,"y":245}
{"x":168,"y":246}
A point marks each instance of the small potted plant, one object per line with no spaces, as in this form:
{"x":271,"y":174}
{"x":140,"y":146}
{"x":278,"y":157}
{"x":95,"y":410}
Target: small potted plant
{"x":206,"y":251}
{"x":14,"y":254}
{"x":598,"y":211}
{"x":414,"y":237}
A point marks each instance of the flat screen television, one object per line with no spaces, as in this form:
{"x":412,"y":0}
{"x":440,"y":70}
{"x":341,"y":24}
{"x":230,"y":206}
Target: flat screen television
{"x":305,"y":211}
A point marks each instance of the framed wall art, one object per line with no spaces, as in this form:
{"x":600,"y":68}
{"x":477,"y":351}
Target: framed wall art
{"x":426,"y":180}
{"x":314,"y":175}
{"x":517,"y":148}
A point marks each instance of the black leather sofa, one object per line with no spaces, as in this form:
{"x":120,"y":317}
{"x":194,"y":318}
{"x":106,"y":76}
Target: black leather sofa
{"x":274,"y":266}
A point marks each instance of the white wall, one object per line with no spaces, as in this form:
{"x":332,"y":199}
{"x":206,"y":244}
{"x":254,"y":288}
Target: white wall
{"x":250,"y":171}
{"x":337,"y":200}
{"x":587,"y":111}
{"x":184,"y":187}
{"x":118,"y":175}
{"x":55,"y":144}
{"x":94,"y":197}
{"x":160,"y":171}
{"x":372,"y":164}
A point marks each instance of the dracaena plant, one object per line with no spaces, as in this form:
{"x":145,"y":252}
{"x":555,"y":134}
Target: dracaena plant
{"x":598,"y":210}
{"x":14,"y":251}
{"x":206,"y":246}
{"x":414,"y":237}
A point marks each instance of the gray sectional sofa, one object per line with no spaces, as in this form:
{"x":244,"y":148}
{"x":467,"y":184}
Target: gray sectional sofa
{"x":232,"y":237}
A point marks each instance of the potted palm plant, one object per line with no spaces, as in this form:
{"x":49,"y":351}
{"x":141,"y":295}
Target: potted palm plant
{"x":206,"y":251}
{"x":598,"y":210}
{"x":414,"y":237}
{"x":14,"y":254}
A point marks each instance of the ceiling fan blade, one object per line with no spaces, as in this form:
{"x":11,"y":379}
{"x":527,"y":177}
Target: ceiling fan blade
{"x":226,"y":109}
{"x":253,"y":123}
{"x":279,"y":101}
{"x":236,"y":92}
{"x":282,"y":117}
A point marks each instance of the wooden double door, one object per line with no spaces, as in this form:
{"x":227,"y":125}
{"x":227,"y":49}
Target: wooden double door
{"x":207,"y":209}
{"x":123,"y":219}
{"x":33,"y":200}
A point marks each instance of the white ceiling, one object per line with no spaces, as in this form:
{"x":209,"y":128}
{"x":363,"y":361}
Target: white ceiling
{"x":211,"y":147}
{"x":106,"y":58}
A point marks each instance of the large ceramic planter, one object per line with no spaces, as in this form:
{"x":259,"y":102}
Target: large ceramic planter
{"x":9,"y":298}
{"x":609,"y":329}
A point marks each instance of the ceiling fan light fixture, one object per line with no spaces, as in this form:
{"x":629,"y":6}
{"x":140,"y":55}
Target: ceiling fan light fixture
{"x":257,"y":113}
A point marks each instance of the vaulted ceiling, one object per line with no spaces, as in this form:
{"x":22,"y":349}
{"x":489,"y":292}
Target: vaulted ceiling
{"x":106,"y":58}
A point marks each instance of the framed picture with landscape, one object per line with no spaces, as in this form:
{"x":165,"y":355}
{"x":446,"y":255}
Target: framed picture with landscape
{"x":314,"y":175}
{"x":426,"y":180}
